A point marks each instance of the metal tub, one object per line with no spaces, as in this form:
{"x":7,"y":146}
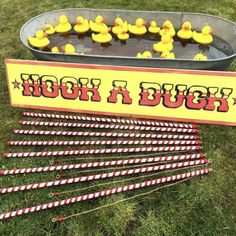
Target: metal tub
{"x":223,"y":28}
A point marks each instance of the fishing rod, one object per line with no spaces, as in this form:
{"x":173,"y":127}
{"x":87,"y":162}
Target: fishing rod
{"x":100,"y":151}
{"x":102,"y":176}
{"x":100,"y":142}
{"x":104,"y":134}
{"x":54,"y":161}
{"x":108,"y":120}
{"x":56,"y":194}
{"x":107,"y":126}
{"x":84,"y":165}
{"x":103,"y":193}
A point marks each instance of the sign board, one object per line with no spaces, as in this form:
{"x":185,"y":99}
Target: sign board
{"x":165,"y":94}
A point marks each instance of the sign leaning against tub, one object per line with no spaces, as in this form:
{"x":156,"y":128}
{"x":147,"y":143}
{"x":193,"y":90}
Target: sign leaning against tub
{"x":165,"y":94}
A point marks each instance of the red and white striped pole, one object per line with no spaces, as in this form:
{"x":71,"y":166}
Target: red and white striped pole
{"x":101,"y":151}
{"x":109,"y":120}
{"x":103,"y":134}
{"x":103,"y":193}
{"x":103,"y":142}
{"x":103,"y":176}
{"x":107,"y":126}
{"x":102,"y":164}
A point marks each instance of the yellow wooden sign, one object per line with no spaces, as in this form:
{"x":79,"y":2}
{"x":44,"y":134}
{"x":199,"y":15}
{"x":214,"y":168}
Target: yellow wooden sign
{"x":192,"y":96}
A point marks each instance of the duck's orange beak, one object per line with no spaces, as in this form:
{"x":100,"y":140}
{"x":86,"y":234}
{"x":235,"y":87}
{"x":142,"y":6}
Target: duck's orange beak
{"x":78,"y":22}
{"x":166,"y":27}
{"x":103,"y":21}
{"x":116,"y":24}
{"x":186,"y":28}
{"x":45,"y":35}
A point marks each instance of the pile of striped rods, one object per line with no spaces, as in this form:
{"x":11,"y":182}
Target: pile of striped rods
{"x":156,"y":147}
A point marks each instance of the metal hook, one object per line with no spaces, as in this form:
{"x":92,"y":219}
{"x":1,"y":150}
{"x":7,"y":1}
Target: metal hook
{"x":58,"y":176}
{"x":51,"y":194}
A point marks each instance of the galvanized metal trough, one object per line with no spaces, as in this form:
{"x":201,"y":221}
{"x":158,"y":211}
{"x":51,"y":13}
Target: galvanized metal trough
{"x":223,"y":29}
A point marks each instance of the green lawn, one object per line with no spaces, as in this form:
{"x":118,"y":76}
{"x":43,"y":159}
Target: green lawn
{"x":202,"y":206}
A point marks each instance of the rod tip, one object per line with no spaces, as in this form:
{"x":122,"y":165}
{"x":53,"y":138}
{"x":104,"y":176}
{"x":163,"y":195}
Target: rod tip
{"x":53,"y":194}
{"x":5,"y":154}
{"x":57,"y":219}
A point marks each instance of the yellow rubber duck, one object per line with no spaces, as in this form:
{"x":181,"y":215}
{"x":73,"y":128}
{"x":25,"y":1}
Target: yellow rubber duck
{"x":49,"y":29}
{"x":165,"y":44}
{"x":55,"y":50}
{"x":64,"y":26}
{"x":153,"y":27}
{"x":205,"y":36}
{"x":168,"y":28}
{"x":139,"y":55}
{"x":186,"y":31}
{"x":82,"y":25}
{"x":139,"y":27}
{"x":167,"y":55}
{"x":117,"y":25}
{"x":96,"y":26}
{"x":103,"y":37}
{"x":145,"y":54}
{"x":200,"y":57}
{"x":69,"y":48}
{"x":40,"y":40}
{"x":123,"y":34}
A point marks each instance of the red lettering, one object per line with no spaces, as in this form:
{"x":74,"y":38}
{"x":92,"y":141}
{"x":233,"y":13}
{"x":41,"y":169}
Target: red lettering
{"x":50,"y":87}
{"x":150,"y":94}
{"x":69,"y":87}
{"x":179,"y":97}
{"x":94,"y":89}
{"x":222,"y":100}
{"x":196,"y":98}
{"x":119,"y":89}
{"x":31,"y":85}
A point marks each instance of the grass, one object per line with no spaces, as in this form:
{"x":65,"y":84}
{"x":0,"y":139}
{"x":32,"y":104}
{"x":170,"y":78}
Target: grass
{"x":203,"y":206}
